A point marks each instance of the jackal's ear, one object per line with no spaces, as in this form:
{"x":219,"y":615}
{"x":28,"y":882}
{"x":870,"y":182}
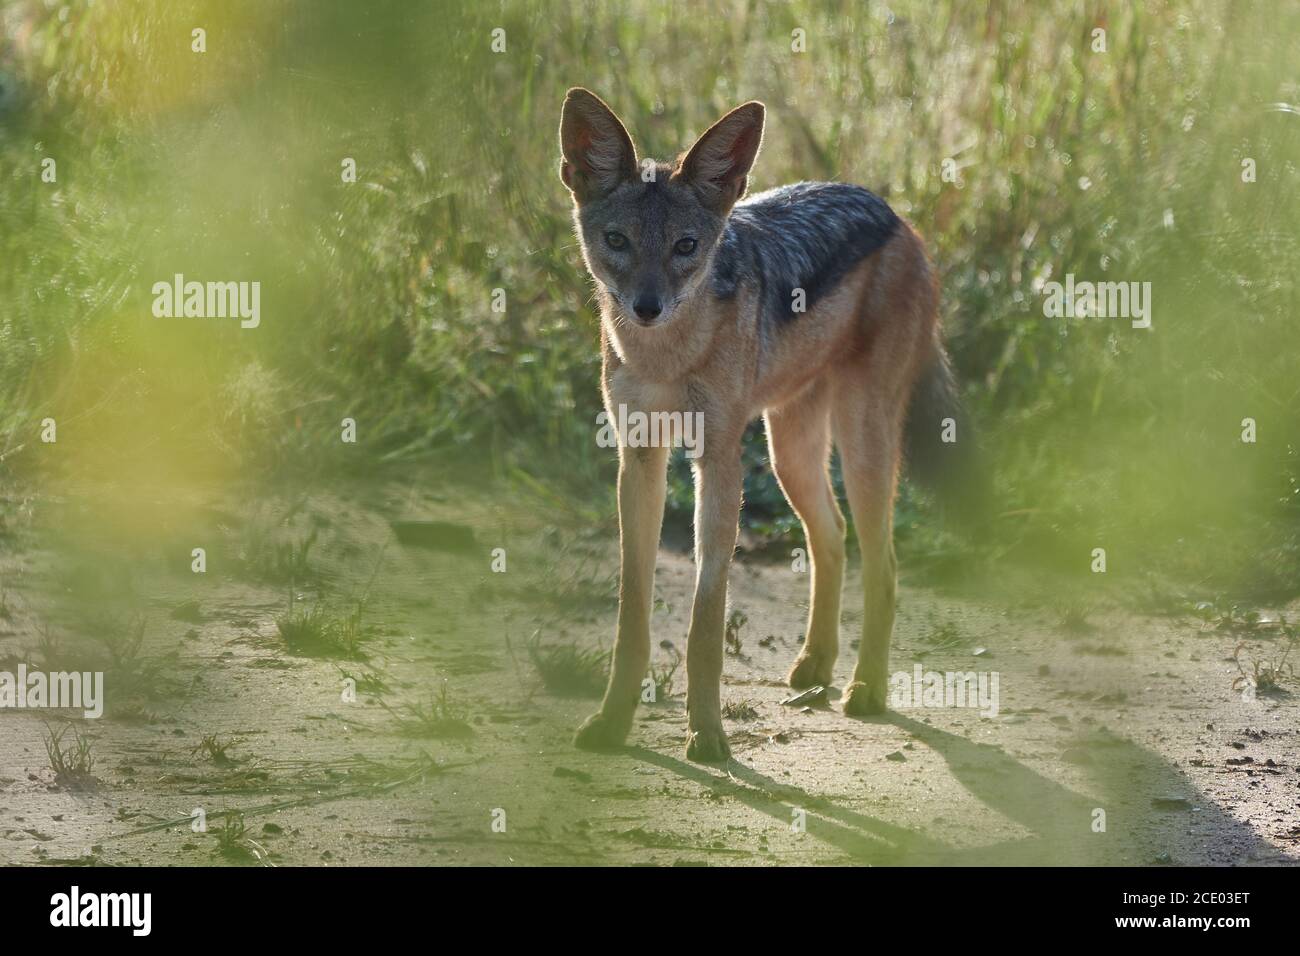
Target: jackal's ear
{"x":597,"y":153}
{"x":718,"y":165}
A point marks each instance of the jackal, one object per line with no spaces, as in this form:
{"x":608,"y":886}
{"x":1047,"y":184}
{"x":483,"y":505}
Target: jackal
{"x":814,"y":305}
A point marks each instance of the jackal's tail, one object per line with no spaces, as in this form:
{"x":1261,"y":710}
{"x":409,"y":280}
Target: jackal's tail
{"x":940,"y":450}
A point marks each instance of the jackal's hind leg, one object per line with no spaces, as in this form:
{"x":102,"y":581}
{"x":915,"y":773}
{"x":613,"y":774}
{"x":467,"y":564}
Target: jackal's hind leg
{"x":799,"y":442}
{"x":870,"y":489}
{"x":868,"y":434}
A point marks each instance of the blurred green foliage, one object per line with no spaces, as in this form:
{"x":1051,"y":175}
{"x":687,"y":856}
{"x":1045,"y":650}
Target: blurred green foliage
{"x":377,"y":295}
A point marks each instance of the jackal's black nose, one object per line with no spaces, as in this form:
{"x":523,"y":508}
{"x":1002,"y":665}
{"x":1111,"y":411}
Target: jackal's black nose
{"x":646,"y":307}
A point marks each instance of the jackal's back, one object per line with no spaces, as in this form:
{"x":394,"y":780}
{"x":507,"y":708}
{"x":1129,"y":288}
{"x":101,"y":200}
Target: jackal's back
{"x":804,"y":236}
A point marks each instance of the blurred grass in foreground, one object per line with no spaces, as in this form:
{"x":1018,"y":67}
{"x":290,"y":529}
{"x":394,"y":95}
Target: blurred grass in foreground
{"x":377,"y":296}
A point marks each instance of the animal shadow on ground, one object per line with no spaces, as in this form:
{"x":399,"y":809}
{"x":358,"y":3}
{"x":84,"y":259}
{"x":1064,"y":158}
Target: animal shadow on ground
{"x":1060,"y":820}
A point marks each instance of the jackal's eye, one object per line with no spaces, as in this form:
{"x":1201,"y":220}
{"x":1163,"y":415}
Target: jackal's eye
{"x":684,"y":247}
{"x":616,"y":240}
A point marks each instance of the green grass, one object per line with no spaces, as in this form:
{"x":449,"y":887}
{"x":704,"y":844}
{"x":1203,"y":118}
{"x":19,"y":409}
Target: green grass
{"x":440,"y":719}
{"x":377,"y":295}
{"x":319,"y":632}
{"x":570,"y":670}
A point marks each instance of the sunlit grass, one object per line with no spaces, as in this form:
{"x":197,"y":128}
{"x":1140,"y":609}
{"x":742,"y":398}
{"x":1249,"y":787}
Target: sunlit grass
{"x":1124,"y":164}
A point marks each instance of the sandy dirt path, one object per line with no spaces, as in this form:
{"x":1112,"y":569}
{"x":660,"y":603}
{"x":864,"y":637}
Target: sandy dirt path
{"x":1120,"y":741}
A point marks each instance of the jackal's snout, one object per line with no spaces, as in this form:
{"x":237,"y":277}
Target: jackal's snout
{"x":647,"y":307}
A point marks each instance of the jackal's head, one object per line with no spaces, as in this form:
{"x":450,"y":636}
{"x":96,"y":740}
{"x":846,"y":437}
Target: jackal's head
{"x":648,"y":230}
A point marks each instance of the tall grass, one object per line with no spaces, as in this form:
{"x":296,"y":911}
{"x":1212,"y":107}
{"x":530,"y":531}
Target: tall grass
{"x":377,"y":296}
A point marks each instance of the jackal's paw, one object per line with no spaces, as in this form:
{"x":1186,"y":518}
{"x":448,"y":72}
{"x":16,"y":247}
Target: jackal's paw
{"x":809,"y":670}
{"x":599,"y":732}
{"x":708,"y":746}
{"x":863,"y":700}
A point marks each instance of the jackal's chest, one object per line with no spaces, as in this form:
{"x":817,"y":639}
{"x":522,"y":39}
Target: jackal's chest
{"x":648,"y":415}
{"x":624,"y":387}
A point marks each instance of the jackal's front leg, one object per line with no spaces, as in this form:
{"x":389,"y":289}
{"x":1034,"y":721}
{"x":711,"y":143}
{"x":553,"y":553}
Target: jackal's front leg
{"x":717,"y":510}
{"x":641,"y":485}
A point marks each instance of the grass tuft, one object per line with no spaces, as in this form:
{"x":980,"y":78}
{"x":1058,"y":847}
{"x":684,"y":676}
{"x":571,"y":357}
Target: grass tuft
{"x":74,"y":764}
{"x":570,"y":670}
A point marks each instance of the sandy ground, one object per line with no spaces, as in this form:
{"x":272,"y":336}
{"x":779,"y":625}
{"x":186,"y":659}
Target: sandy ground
{"x":1118,"y":740}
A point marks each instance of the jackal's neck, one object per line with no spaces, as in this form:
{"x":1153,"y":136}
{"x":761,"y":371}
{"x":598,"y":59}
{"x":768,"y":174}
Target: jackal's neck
{"x":668,"y":353}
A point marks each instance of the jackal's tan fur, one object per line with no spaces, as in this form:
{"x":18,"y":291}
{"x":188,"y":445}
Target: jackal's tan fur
{"x":841,"y":372}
